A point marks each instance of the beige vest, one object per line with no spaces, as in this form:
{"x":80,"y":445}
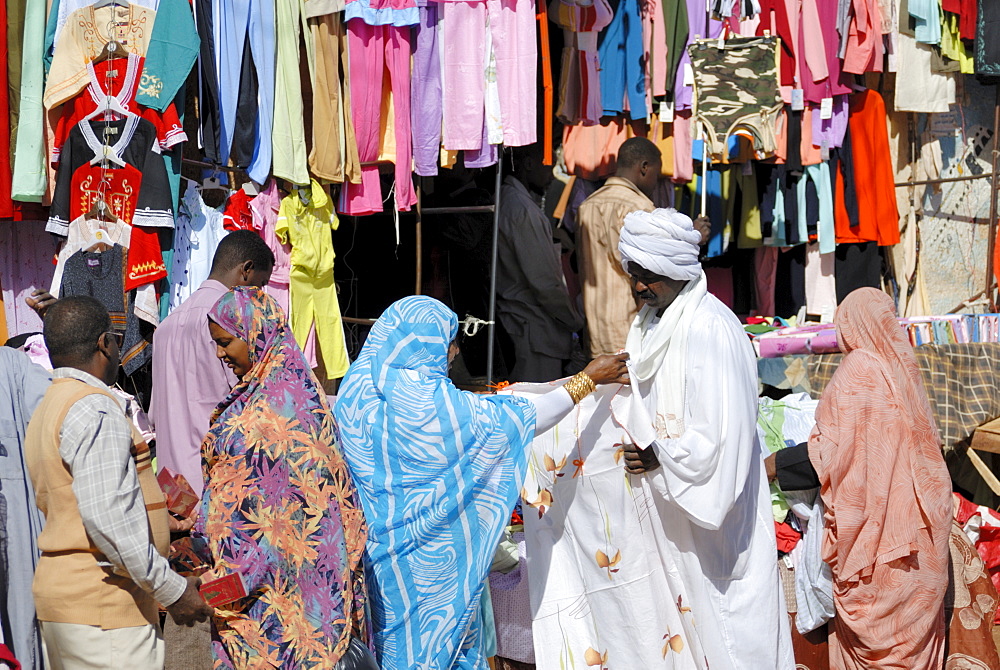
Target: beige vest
{"x":70,"y":586}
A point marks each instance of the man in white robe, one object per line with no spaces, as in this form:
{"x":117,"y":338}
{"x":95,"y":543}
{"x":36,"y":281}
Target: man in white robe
{"x":673,"y":565}
{"x":691,"y":415}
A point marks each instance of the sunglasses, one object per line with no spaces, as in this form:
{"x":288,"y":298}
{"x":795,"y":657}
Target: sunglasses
{"x":119,"y":337}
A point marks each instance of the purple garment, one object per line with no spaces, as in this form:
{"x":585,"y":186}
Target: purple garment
{"x":832,"y":86}
{"x":189,"y":381}
{"x":830,"y":132}
{"x":26,"y":253}
{"x":697,"y":21}
{"x":425,"y":92}
{"x":485,"y":155}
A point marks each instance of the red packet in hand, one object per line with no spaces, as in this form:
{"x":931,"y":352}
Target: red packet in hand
{"x":224,"y":590}
{"x":181,"y":498}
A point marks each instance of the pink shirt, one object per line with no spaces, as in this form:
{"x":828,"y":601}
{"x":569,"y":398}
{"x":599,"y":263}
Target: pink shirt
{"x":188,"y":382}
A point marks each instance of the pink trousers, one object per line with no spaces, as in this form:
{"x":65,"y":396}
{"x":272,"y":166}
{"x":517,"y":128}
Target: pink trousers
{"x":512,"y":27}
{"x":377,"y":52}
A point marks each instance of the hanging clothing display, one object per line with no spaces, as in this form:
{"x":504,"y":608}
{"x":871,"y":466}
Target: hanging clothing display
{"x":736,"y":87}
{"x":29,"y":178}
{"x":580,"y":82}
{"x":620,"y":52}
{"x":85,"y":36}
{"x":136,"y":189}
{"x":426,"y":97}
{"x":379,"y":61}
{"x":289,"y":133}
{"x":196,"y":237}
{"x":101,"y":275}
{"x":6,"y":204}
{"x":305,"y":220}
{"x":510,"y":28}
{"x":173,"y":49}
{"x":144,"y":263}
{"x":873,"y":177}
{"x":124,"y":84}
{"x":334,"y":154}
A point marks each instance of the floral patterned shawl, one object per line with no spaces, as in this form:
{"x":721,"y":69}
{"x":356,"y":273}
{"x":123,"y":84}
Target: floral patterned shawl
{"x":279,"y":507}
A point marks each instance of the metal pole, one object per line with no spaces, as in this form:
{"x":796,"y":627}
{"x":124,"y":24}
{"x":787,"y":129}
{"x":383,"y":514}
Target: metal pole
{"x":491,"y":327}
{"x":947,"y":180}
{"x":420,"y":242}
{"x":991,"y":241}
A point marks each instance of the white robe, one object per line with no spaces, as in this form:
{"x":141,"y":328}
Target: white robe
{"x":695,"y":583}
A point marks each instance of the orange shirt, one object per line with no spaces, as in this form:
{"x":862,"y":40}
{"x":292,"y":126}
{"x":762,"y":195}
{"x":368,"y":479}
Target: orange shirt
{"x":874,"y":180}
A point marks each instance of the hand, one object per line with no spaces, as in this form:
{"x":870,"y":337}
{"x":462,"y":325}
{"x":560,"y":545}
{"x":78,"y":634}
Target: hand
{"x":190,"y":607}
{"x":40,"y":300}
{"x":704,"y":226}
{"x":608,"y":369}
{"x":181,"y":525}
{"x":639,"y":461}
{"x":771,"y":467}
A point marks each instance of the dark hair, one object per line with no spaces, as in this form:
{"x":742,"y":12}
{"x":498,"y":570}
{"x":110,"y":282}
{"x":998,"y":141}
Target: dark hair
{"x":635,"y":150}
{"x":526,"y":156}
{"x":73,"y":326}
{"x":241,"y":246}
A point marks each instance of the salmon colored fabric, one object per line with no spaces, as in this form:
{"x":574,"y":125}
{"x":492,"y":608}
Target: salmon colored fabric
{"x":887,"y":492}
{"x":874,"y":181}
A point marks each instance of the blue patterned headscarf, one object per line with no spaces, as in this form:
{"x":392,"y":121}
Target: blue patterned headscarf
{"x":438,"y":471}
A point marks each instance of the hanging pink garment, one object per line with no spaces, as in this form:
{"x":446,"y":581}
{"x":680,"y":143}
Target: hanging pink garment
{"x":26,"y":253}
{"x":513,"y":30}
{"x":378,"y":52}
{"x":683,"y":160}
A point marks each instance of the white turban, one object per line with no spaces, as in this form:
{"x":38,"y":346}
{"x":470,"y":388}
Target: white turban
{"x":663,"y":241}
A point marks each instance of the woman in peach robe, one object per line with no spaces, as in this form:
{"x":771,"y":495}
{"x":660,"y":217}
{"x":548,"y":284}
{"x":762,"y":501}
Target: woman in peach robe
{"x":887,"y":493}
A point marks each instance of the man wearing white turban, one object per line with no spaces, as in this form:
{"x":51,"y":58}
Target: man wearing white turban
{"x":690,"y":415}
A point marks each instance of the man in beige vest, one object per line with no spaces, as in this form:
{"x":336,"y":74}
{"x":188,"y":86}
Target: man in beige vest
{"x":103,"y":567}
{"x":608,"y":303}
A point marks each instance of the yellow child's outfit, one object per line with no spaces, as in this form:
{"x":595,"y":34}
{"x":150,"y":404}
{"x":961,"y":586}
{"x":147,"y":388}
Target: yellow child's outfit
{"x":305,"y":222}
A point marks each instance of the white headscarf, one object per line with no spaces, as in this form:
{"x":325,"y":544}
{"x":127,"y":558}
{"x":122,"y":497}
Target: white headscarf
{"x":663,"y":241}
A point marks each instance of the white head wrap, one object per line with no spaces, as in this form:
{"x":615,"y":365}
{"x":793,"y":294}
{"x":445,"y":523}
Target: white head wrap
{"x":663,"y":241}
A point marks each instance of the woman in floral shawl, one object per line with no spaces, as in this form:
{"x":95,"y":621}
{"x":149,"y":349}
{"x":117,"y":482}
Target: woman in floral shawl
{"x":278,"y":508}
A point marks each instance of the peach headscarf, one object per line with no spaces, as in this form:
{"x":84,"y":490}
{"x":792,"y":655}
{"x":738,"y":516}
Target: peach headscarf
{"x":876,"y":446}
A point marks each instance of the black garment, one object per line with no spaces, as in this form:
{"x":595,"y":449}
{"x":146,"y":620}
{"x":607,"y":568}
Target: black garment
{"x":767,"y":195}
{"x":790,"y":281}
{"x":101,"y":275}
{"x":987,"y":61}
{"x":857,"y":265}
{"x":793,"y":161}
{"x":208,"y":94}
{"x":795,"y":471}
{"x":245,"y":132}
{"x":150,"y":198}
{"x":842,"y":161}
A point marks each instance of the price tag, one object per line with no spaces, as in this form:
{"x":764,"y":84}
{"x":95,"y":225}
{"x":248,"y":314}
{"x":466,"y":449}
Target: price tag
{"x":666,"y":112}
{"x":798,"y":100}
{"x":826,"y":109}
{"x":688,"y":75}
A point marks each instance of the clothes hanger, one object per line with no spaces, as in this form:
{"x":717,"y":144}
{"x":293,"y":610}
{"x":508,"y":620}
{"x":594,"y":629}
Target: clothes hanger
{"x":98,"y":239}
{"x":111,"y":50}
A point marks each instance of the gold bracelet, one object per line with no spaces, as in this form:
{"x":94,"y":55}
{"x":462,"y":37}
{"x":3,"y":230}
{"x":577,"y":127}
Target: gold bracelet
{"x":579,"y":387}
